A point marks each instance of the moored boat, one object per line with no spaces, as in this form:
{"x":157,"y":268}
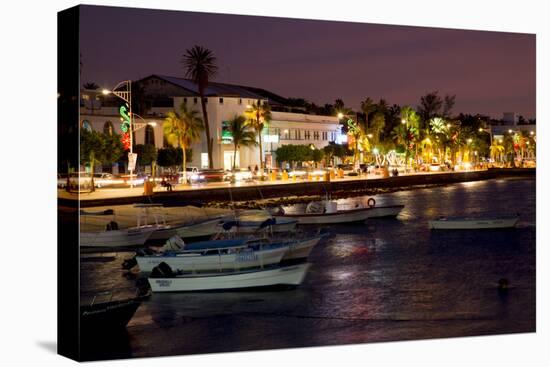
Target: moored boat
{"x":256,"y":278}
{"x":301,"y":248}
{"x":112,"y":238}
{"x":327,"y":212}
{"x":100,"y":314}
{"x":474,"y":223}
{"x":246,"y":225}
{"x":196,"y":229}
{"x":216,"y":255}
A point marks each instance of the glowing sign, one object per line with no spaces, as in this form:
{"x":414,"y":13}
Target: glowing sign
{"x":125,"y":126}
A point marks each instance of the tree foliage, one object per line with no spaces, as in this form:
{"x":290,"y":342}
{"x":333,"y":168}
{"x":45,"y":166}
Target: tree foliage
{"x":147,"y":154}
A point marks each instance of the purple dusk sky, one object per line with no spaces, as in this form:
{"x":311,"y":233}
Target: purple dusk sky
{"x":490,"y":72}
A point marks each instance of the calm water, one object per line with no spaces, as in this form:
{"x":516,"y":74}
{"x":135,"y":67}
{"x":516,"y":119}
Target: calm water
{"x":382,"y":281}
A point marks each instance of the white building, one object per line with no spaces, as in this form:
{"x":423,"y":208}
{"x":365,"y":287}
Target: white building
{"x":162,"y":94}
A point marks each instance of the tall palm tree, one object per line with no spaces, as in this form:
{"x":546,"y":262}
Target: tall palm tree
{"x":368,"y":106}
{"x":242,"y":135}
{"x":200,"y":65}
{"x":259,"y":116}
{"x":183,"y":129}
{"x":497,"y":151}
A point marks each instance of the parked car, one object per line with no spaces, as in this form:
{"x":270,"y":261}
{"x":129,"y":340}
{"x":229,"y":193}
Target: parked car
{"x":239,"y":174}
{"x":192,"y":174}
{"x":212,"y":175}
{"x":107,"y":180}
{"x":61,"y":180}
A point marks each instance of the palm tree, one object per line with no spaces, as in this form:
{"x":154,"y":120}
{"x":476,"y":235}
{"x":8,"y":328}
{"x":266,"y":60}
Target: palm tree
{"x":496,"y":152}
{"x":368,"y":106}
{"x":259,"y":115}
{"x":200,"y":65}
{"x":241,"y":133}
{"x":183,"y":129}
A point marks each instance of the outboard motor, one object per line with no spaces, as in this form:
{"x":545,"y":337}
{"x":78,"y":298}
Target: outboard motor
{"x":268,"y":222}
{"x":162,"y":270}
{"x":174,"y":243}
{"x":229,"y":224}
{"x":111,"y":226}
{"x":129,"y":263}
{"x":315,"y":207}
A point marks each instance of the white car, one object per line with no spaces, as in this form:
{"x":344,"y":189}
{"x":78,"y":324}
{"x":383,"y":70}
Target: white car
{"x":192,"y":174}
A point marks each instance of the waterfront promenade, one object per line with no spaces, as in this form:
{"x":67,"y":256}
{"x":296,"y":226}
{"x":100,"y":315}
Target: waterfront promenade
{"x":244,"y":191}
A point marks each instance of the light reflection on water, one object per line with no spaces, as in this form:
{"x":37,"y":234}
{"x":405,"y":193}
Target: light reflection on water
{"x":362,"y":280}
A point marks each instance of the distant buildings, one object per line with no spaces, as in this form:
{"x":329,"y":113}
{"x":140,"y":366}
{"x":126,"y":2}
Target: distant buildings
{"x":156,"y":95}
{"x":511,"y":122}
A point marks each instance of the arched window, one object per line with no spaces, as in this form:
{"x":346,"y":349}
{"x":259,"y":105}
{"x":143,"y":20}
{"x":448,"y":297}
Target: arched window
{"x":108,"y":128}
{"x":149,"y":135}
{"x":86,"y":125}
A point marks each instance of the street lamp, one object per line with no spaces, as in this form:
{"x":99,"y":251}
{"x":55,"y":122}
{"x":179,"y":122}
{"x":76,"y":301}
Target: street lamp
{"x":403,"y":121}
{"x":489,"y":131}
{"x":123,"y":90}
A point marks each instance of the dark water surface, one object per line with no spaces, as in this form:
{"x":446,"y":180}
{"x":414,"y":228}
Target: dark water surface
{"x":384,"y":280}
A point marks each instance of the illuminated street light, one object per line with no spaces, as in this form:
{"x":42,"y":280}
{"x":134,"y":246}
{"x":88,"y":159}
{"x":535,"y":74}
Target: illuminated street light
{"x":369,"y":135}
{"x":532,"y":132}
{"x":510,"y":131}
{"x":340,"y":115}
{"x":469,"y":141}
{"x":106,"y":91}
{"x":448,"y":126}
{"x":403,"y":121}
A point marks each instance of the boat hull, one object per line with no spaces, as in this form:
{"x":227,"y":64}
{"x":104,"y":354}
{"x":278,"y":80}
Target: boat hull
{"x":302,"y":249}
{"x":288,"y":275}
{"x":251,"y":227}
{"x":116,"y":238}
{"x":198,"y":262}
{"x":187,"y":231}
{"x":347,"y":216}
{"x":108,"y":316}
{"x":474,"y":223}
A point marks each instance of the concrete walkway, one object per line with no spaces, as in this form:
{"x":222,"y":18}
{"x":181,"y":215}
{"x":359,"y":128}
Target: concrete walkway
{"x":111,"y":193}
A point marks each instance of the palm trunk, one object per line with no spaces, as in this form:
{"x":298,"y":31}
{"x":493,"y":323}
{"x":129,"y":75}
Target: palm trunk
{"x":207,"y":131}
{"x":92,"y":159}
{"x":234,"y":156}
{"x":184,"y":165}
{"x":261,"y":150}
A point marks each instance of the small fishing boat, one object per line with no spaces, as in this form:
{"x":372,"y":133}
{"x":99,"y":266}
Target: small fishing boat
{"x":301,"y":248}
{"x":216,"y":255}
{"x":254,"y":224}
{"x":327,"y":212}
{"x":103,"y":313}
{"x":164,"y":280}
{"x":508,"y":221}
{"x":197,"y":229}
{"x":112,"y":238}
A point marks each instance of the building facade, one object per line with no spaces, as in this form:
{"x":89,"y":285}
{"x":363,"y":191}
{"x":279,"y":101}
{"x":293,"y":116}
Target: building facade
{"x":159,"y":95}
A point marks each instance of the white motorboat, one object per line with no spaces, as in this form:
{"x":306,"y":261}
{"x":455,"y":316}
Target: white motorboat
{"x":300,"y":249}
{"x":166,"y":281}
{"x":327,"y":212}
{"x":200,"y":228}
{"x":474,"y":223}
{"x":246,"y":225}
{"x":216,"y":255}
{"x":116,"y":237}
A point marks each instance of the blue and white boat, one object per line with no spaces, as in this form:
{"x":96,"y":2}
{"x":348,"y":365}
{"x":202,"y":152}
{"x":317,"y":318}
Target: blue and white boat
{"x":214,"y":255}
